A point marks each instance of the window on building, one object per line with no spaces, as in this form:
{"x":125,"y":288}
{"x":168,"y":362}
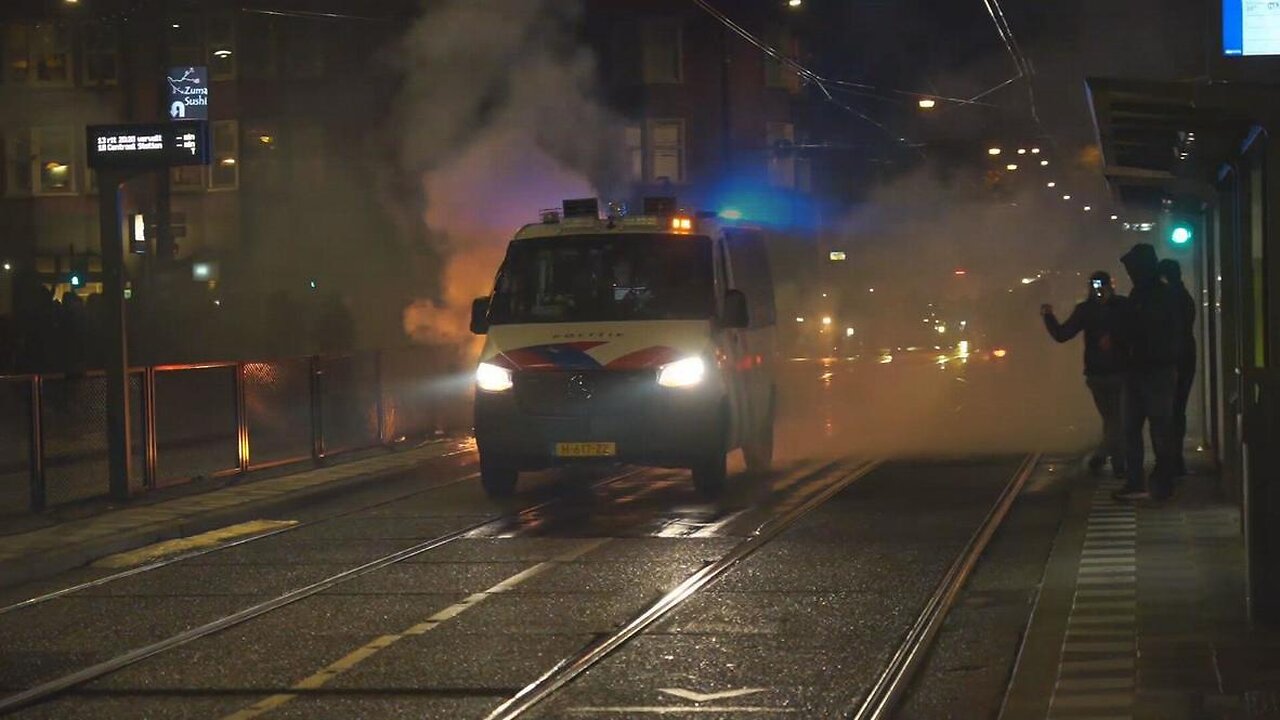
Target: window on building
{"x":259,"y":47}
{"x":101,"y":55}
{"x":55,"y":165}
{"x":38,"y":54}
{"x":220,"y":48}
{"x":18,"y":157}
{"x":303,"y":49}
{"x":185,"y":40}
{"x":635,"y":152}
{"x":780,"y":141}
{"x":666,"y":151}
{"x":224,"y":174}
{"x":662,"y":57}
{"x":804,"y":174}
{"x":776,"y":73}
{"x":186,"y":178}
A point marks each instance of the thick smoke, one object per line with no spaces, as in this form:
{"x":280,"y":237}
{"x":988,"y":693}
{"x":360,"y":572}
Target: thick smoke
{"x":500,"y":119}
{"x":907,"y":241}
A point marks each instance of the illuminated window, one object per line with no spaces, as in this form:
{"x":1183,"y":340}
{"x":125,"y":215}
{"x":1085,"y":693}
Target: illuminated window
{"x":37,"y":54}
{"x":666,"y":151}
{"x":101,"y":55}
{"x":224,"y":174}
{"x":635,"y":152}
{"x":186,"y":178}
{"x":780,"y":140}
{"x":661,"y":55}
{"x":55,"y":160}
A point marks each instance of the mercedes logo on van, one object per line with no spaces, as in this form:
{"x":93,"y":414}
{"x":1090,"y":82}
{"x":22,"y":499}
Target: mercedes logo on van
{"x":578,"y":388}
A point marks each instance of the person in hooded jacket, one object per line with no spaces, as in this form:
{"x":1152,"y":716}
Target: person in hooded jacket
{"x":1099,"y":318}
{"x":1152,"y":334}
{"x":1170,"y":272}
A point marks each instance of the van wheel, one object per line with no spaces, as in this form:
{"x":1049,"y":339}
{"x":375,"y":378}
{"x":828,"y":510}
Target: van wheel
{"x":498,"y":480}
{"x":758,"y":452}
{"x":710,"y":474}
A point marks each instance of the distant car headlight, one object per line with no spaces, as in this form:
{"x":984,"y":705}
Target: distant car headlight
{"x":491,"y":378}
{"x":682,"y":373}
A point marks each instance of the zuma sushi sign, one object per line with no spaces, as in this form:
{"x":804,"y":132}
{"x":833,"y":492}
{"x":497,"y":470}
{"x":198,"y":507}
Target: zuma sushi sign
{"x":143,"y":146}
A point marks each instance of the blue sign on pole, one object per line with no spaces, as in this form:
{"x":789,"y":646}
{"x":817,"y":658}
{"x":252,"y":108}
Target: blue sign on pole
{"x":188,"y":93}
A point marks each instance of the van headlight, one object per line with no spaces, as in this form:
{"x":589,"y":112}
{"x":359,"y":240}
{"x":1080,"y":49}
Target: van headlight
{"x":491,"y":378}
{"x":682,"y":373}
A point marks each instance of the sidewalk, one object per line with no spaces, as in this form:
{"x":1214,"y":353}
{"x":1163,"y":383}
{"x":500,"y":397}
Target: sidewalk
{"x":1142,"y":615}
{"x":48,"y":550}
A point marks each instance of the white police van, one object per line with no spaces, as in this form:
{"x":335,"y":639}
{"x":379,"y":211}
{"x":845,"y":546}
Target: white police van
{"x":645,"y":340}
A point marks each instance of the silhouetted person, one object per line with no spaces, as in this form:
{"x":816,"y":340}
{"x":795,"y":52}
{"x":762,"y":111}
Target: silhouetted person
{"x":1152,"y":334}
{"x":1099,"y":318}
{"x":1171,"y":273}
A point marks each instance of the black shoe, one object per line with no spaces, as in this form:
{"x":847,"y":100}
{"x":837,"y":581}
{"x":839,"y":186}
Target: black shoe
{"x":1130,"y":494}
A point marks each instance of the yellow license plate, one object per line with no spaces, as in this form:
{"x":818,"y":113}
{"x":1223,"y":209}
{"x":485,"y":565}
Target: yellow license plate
{"x":586,"y":449}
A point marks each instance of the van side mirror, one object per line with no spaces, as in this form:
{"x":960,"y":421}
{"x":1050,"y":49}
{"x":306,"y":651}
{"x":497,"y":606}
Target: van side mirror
{"x":735,"y":310}
{"x":480,"y":316}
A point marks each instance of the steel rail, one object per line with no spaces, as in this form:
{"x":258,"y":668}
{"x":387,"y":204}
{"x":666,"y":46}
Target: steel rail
{"x":571,"y":667}
{"x":882,"y":700}
{"x":156,"y":565}
{"x":59,"y":685}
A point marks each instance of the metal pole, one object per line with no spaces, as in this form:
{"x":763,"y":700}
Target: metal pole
{"x":317,"y":408}
{"x":242,"y":423}
{"x":117,"y":358}
{"x":381,"y":402}
{"x":149,"y":425}
{"x":38,"y":490}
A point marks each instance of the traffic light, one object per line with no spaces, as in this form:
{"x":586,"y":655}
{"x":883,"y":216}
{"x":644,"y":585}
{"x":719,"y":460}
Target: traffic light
{"x":1181,"y":234}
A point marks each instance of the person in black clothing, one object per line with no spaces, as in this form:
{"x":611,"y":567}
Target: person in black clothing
{"x":1171,"y":273}
{"x":1151,"y":332}
{"x":1099,"y":318}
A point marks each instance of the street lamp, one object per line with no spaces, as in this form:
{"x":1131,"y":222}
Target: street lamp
{"x":1066,"y":197}
{"x":1051,"y":184}
{"x":794,"y":3}
{"x":1044,"y":163}
{"x":927,"y":103}
{"x":1011,"y":167}
{"x":994,"y":151}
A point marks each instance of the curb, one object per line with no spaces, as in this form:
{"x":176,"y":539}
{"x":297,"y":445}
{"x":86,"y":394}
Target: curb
{"x":49,"y":563}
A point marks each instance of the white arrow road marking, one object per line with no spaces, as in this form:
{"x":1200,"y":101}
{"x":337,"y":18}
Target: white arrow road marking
{"x":706,"y":697}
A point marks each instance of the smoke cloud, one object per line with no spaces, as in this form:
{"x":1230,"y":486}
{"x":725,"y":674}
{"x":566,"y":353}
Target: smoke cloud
{"x":500,"y":119}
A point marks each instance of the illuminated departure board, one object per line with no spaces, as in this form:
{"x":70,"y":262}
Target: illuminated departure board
{"x":148,"y":145}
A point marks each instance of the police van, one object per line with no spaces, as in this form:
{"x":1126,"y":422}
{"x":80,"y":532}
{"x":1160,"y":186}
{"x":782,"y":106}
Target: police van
{"x":645,"y":340}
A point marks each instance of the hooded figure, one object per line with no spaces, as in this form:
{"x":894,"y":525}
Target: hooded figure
{"x":1100,"y":318}
{"x":1170,"y":273}
{"x":1152,"y":334}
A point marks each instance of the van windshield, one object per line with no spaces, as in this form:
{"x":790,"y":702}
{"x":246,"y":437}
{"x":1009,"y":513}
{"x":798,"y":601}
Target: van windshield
{"x":592,"y":278}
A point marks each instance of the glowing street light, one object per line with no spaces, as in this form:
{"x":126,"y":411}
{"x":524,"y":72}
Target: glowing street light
{"x":994,"y":151}
{"x":1022,"y":151}
{"x":799,"y":319}
{"x":848,"y":332}
{"x":826,"y":320}
{"x":1115,"y":217}
{"x":1088,"y":208}
{"x":794,"y":3}
{"x":927,"y":103}
{"x":1035,"y":151}
{"x":1044,"y":163}
{"x":1066,"y":197}
{"x":1011,"y":167}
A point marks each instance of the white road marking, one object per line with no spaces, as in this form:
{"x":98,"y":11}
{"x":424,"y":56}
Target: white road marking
{"x":707,"y":697}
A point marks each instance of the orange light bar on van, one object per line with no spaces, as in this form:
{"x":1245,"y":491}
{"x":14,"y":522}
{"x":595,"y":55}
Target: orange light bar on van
{"x":682,"y":224}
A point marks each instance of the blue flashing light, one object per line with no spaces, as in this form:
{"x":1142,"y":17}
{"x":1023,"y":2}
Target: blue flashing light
{"x":731,"y":214}
{"x":75,"y":281}
{"x":1181,"y":235}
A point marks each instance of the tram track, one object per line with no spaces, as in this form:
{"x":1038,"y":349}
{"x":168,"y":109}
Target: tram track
{"x":54,"y":687}
{"x":894,"y":680}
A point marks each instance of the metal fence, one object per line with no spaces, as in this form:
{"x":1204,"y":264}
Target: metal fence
{"x":214,"y":419}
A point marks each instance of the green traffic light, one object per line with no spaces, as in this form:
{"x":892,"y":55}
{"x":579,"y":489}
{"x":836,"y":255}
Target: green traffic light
{"x":1181,"y":235}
